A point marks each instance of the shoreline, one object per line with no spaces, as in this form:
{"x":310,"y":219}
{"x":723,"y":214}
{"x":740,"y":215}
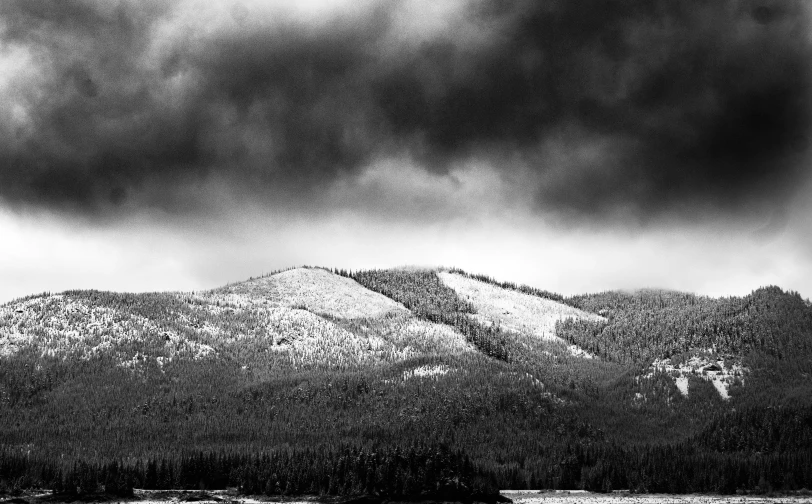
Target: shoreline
{"x":624,"y":496}
{"x":230,"y":496}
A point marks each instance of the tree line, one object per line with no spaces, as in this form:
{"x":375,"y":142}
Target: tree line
{"x":416,"y":470}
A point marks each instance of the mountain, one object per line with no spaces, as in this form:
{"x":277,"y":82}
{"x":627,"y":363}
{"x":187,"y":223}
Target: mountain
{"x":311,"y":380}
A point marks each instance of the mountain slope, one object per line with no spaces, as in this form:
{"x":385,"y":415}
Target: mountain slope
{"x":388,"y":359}
{"x":300,"y":317}
{"x":763,"y":337}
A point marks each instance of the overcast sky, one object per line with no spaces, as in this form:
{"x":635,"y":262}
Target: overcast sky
{"x":574,"y":145}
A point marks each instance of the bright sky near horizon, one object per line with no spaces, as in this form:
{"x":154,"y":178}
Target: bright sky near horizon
{"x":181,"y":145}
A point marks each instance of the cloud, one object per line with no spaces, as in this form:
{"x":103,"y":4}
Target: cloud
{"x":599,"y":110}
{"x":647,"y":108}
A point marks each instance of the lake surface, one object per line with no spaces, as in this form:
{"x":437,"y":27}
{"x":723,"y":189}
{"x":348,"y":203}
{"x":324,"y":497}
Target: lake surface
{"x":574,"y":497}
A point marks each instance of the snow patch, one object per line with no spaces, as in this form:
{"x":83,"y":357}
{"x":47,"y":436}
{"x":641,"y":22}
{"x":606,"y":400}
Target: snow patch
{"x":423,"y":371}
{"x":577,"y":351}
{"x":682,"y":384}
{"x":721,"y":387}
{"x":701,"y":367}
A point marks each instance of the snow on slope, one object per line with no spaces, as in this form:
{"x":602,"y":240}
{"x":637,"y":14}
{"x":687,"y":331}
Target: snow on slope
{"x":315,"y":290}
{"x":714,"y":371}
{"x":302,"y":317}
{"x":384,"y":329}
{"x":515,"y":311}
{"x":423,"y":336}
{"x":423,"y":372}
{"x":61,"y":324}
{"x":309,"y":339}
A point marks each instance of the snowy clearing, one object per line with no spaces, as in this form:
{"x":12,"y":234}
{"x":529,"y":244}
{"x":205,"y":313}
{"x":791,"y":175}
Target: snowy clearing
{"x":516,"y":311}
{"x":315,"y":290}
{"x":423,"y":371}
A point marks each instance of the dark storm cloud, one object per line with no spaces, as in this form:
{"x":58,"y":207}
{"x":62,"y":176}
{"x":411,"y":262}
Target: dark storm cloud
{"x":94,"y":128}
{"x":660,"y":105}
{"x":650,"y":107}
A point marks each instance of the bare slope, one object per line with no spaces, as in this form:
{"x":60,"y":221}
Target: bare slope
{"x":315,"y":290}
{"x":514,"y":311}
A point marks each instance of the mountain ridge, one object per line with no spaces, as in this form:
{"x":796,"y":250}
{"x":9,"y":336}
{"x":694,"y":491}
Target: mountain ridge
{"x":530,"y":385}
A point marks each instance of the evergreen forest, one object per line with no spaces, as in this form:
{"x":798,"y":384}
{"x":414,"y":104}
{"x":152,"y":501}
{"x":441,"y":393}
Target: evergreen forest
{"x":403,"y":384}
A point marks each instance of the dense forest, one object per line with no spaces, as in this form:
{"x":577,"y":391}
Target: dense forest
{"x":648,"y":325}
{"x":267,"y":387}
{"x":417,"y":471}
{"x":430,"y":471}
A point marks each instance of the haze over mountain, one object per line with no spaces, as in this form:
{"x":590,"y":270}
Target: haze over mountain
{"x":312,"y":380}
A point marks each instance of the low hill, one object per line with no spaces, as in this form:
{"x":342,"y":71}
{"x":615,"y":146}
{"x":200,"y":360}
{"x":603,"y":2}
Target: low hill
{"x":512,"y":386}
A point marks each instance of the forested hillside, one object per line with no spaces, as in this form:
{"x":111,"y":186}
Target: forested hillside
{"x":766,"y":332}
{"x":404,"y":382}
